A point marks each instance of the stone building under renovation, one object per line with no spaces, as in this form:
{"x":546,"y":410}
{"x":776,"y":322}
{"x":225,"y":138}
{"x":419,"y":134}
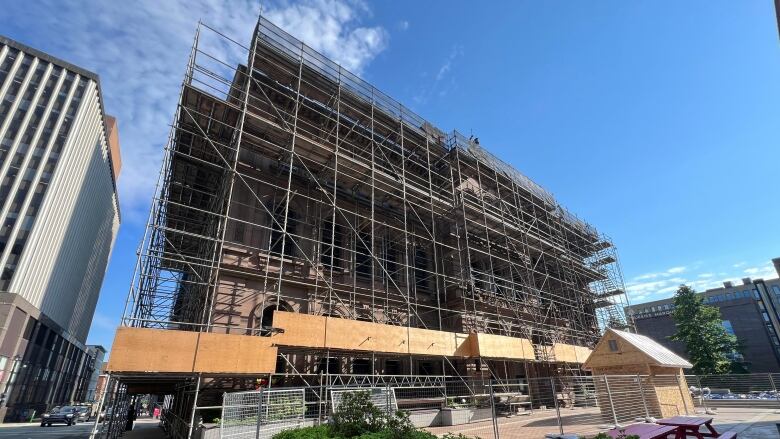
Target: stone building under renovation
{"x":306,"y":225}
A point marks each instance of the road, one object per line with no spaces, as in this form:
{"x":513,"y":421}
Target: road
{"x":35,"y":431}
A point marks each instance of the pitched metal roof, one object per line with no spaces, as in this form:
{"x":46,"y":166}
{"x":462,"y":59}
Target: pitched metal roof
{"x":661,"y":355}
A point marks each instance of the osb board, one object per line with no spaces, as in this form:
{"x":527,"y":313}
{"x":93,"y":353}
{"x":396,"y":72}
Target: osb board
{"x":159,"y":350}
{"x":328,"y":332}
{"x":670,"y":401}
{"x":672,"y":390}
{"x":582,"y":353}
{"x":466,"y":345}
{"x":501,"y":346}
{"x":365,"y":336}
{"x":302,"y":330}
{"x":311,"y":331}
{"x":603,"y":358}
{"x":235,"y":354}
{"x":628,"y":369}
{"x":565,"y":352}
{"x":152,"y":350}
{"x":431,"y":342}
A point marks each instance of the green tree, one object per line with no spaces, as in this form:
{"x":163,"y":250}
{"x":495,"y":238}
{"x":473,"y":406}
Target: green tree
{"x":708,"y":345}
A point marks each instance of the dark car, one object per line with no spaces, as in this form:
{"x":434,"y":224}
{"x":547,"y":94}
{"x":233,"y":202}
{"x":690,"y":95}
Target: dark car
{"x":67,"y":415}
{"x":84,"y":413}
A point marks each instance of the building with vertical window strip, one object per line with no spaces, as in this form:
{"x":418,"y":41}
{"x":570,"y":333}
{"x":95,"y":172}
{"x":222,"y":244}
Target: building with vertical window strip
{"x":59,"y":215}
{"x":750,"y":311}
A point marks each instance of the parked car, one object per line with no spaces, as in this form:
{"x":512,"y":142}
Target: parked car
{"x":67,"y":415}
{"x":84,"y":413}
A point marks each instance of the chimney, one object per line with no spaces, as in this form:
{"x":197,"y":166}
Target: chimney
{"x":746,"y":281}
{"x":727,"y":284}
{"x":776,"y":261}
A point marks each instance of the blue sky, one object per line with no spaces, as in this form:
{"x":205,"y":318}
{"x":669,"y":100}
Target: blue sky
{"x":657,"y":122}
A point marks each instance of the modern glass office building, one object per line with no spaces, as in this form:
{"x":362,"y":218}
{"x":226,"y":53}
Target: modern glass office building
{"x":59,"y":215}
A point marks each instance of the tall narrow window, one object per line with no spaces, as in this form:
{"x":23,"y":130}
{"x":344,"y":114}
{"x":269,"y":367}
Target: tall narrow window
{"x":363,"y":255}
{"x":281,"y":244}
{"x":330,"y":250}
{"x":390,"y":258}
{"x":420,"y":269}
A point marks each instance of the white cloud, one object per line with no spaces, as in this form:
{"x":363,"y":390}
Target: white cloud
{"x":403,"y":25}
{"x":140,"y":52}
{"x":766,"y":271}
{"x":332,"y":28}
{"x":657,"y":285}
{"x":656,"y":275}
{"x":439,"y":84}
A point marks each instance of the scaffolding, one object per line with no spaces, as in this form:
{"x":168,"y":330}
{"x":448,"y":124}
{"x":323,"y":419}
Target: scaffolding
{"x":289,"y":184}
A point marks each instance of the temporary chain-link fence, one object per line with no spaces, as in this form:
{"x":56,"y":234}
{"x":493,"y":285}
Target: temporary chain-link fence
{"x":580,"y":406}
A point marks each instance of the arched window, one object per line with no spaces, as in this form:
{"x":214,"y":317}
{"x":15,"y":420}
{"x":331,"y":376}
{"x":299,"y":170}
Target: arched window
{"x":262,"y":319}
{"x":279,"y":244}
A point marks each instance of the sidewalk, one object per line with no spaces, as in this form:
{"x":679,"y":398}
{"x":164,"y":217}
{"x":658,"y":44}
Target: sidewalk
{"x":145,"y":429}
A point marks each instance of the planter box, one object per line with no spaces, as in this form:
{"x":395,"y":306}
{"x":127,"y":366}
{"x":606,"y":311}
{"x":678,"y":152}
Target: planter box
{"x":425,"y":418}
{"x":457,"y":416}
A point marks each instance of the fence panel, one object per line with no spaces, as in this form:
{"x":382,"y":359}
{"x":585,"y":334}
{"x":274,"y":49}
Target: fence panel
{"x":747,"y":390}
{"x":263,"y":413}
{"x":584,"y":405}
{"x":240,"y":415}
{"x":526,"y":409}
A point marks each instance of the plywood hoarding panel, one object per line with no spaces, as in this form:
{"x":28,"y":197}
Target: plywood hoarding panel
{"x":501,"y":346}
{"x":432,"y":342}
{"x":365,"y":336}
{"x":303,"y":330}
{"x":227,"y":353}
{"x":169,"y":351}
{"x":582,"y":353}
{"x":565,"y":352}
{"x":152,"y":350}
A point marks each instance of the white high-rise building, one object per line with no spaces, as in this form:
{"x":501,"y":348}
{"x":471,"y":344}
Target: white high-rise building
{"x":59,"y":215}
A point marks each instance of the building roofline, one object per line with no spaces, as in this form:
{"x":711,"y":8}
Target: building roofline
{"x":50,"y":58}
{"x":97,"y":347}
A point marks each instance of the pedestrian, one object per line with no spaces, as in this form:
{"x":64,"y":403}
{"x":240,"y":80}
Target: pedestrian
{"x":157,"y":413}
{"x":130,"y":418}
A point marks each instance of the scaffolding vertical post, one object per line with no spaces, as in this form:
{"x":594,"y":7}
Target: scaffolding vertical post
{"x":102,"y":401}
{"x":494,"y":416}
{"x":194,"y":406}
{"x":259,"y":423}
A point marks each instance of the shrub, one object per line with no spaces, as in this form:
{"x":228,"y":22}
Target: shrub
{"x":458,"y":436}
{"x":317,"y":432}
{"x":357,"y":415}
